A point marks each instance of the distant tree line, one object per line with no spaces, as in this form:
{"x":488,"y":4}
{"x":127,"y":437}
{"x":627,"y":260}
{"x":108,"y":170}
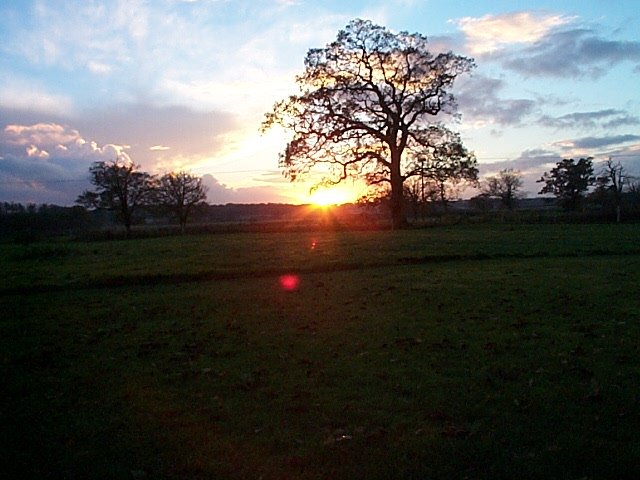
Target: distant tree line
{"x":576,"y":185}
{"x":24,"y":223}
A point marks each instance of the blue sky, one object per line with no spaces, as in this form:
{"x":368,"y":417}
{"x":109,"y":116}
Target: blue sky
{"x":177,"y":84}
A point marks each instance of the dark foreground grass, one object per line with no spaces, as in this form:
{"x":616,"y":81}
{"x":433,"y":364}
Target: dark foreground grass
{"x":449,"y":356}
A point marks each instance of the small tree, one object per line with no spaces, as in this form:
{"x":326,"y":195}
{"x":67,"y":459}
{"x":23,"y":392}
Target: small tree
{"x":568,"y":181}
{"x":447,"y":170}
{"x":504,"y":186}
{"x":120,"y":186}
{"x":180,"y":192}
{"x":610,"y":185}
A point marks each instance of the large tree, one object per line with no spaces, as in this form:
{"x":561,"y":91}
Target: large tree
{"x":181,"y":191}
{"x":568,"y":181}
{"x":369,"y":106}
{"x":120,"y":186}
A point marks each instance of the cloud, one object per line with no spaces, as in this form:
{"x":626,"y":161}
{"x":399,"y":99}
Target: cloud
{"x":219,"y":194}
{"x":481,"y":104}
{"x":577,"y":52}
{"x":254,"y":66}
{"x":99,"y":68}
{"x":606,"y":118}
{"x":287,"y":3}
{"x":494,"y":32}
{"x":529,"y":161}
{"x":159,"y":135}
{"x":72,"y":35}
{"x":46,"y":162}
{"x":174,"y":52}
{"x":545,"y":44}
{"x":596,"y":142}
{"x":43,"y":134}
{"x":24,"y":94}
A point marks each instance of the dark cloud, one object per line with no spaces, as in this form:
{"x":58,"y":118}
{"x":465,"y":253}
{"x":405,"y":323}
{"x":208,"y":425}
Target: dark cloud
{"x":571,"y":53}
{"x":607,"y":118}
{"x":47,"y":162}
{"x":529,"y":160}
{"x":479,"y":100}
{"x":219,"y":194}
{"x":597,"y":142}
{"x":51,"y":183}
{"x":179,"y":130}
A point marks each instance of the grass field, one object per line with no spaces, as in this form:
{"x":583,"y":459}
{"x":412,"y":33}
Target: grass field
{"x":481,"y":352}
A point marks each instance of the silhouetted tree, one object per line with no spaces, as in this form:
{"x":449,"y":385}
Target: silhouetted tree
{"x":610,"y":185}
{"x":440,"y":178}
{"x":568,"y":181}
{"x":504,"y":186}
{"x":180,"y":192}
{"x":446,"y":170}
{"x":120,"y":186}
{"x":367,"y":107}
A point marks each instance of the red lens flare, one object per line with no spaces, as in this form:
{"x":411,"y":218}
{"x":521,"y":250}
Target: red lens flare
{"x":289,"y":282}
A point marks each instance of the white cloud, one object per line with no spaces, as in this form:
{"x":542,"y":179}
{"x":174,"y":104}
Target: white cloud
{"x":493,"y":32}
{"x":99,"y":68}
{"x":287,"y":3}
{"x":133,"y":16}
{"x":75,"y":35}
{"x":21,"y":94}
{"x":56,"y":142}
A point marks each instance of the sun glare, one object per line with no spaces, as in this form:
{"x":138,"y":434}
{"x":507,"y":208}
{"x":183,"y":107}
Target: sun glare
{"x":331,"y":196}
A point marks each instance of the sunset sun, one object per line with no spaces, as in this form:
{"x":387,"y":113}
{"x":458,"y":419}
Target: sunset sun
{"x":332,"y":196}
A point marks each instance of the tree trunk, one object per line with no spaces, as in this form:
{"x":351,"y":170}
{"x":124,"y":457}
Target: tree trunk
{"x":398,"y":217}
{"x":127,"y":223}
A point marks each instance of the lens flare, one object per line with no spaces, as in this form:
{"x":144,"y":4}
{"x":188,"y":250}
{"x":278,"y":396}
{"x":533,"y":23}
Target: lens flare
{"x":289,"y":282}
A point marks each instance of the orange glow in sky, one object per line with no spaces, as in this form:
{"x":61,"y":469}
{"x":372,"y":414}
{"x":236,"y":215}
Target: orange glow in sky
{"x":338,"y":195}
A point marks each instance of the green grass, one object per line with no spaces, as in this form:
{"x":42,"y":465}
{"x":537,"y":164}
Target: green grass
{"x":462,"y":352}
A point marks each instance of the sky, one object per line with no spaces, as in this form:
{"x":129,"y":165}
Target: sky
{"x":185,"y":84}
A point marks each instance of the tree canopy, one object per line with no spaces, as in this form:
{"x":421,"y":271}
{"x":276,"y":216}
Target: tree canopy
{"x":505,"y":186}
{"x":369,"y":106}
{"x":120,"y":186}
{"x":568,"y":181}
{"x":181,"y":191}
